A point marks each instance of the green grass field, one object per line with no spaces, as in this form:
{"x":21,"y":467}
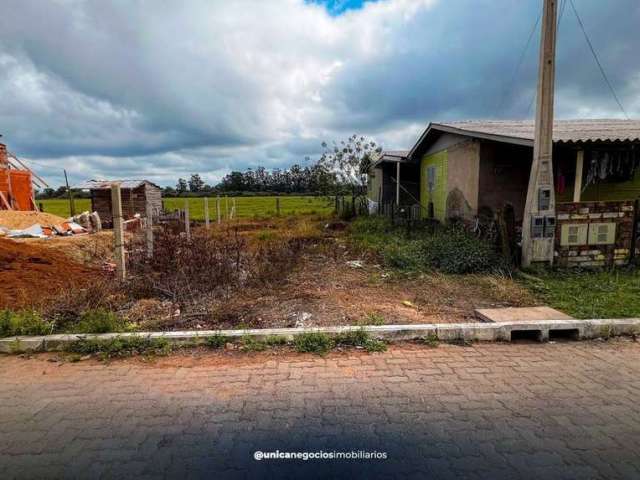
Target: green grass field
{"x":246,"y":207}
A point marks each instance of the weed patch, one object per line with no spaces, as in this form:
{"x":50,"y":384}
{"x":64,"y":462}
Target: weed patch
{"x":313,"y":342}
{"x":99,"y":321}
{"x":216,"y":341}
{"x":360,"y":338}
{"x":121,"y":346}
{"x":24,"y":322}
{"x":448,"y":249}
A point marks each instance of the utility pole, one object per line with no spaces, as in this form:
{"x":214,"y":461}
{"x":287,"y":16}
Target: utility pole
{"x":539,"y":222}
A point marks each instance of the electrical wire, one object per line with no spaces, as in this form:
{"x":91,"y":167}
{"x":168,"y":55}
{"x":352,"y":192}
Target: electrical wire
{"x":519,"y":64}
{"x":595,"y":56}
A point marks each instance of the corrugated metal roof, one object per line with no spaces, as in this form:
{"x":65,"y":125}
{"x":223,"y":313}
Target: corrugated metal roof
{"x":565,"y":131}
{"x":392,"y":156}
{"x":106,"y":184}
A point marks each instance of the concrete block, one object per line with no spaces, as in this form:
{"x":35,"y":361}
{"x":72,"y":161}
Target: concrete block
{"x":610,"y":215}
{"x":595,"y":215}
{"x":576,"y":216}
{"x":563,"y":216}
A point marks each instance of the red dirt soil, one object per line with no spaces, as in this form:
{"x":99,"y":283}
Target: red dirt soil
{"x":29,"y":272}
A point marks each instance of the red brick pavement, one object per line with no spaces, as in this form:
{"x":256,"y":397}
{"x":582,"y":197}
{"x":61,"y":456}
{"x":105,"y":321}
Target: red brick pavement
{"x":567,"y":410}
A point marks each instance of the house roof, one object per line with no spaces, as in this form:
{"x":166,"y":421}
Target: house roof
{"x":521,"y":132}
{"x":392,"y":156}
{"x":106,"y":184}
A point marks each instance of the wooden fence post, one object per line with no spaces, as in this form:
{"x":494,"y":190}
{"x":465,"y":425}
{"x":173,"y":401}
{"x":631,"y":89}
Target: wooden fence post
{"x":218,"y":208}
{"x":187,"y":222}
{"x":118,"y":232}
{"x":278,"y":206}
{"x":634,"y":230}
{"x":206,"y":213}
{"x":149,"y":228}
{"x":72,"y":205}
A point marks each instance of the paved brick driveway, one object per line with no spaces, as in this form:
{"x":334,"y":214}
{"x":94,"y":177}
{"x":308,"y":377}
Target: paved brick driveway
{"x":485,"y":411}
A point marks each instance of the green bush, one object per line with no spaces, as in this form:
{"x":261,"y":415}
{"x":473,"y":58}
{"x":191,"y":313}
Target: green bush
{"x":216,"y":341}
{"x":449,"y":249}
{"x":313,"y":342}
{"x":99,"y":321}
{"x":452,"y":250}
{"x":23,"y":322}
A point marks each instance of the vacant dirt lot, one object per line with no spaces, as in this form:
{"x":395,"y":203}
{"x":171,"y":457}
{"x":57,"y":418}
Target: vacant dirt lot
{"x":327,"y":284}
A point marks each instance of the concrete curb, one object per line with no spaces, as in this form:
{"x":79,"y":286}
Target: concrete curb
{"x":446,"y":332}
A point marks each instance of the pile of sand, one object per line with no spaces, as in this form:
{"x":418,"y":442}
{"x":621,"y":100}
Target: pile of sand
{"x":29,"y":272}
{"x":15,"y":220}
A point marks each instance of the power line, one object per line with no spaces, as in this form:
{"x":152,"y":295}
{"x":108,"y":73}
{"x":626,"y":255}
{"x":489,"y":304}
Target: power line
{"x":520,"y":62}
{"x":595,"y":56}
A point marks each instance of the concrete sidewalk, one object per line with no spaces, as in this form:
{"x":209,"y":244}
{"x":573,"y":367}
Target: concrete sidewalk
{"x":558,"y":410}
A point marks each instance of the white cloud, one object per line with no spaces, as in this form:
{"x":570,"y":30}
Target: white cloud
{"x":135,"y":88}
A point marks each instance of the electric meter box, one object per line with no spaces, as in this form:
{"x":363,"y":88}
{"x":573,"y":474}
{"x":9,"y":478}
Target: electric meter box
{"x":549,"y":227}
{"x":537,"y":227}
{"x":544,"y":198}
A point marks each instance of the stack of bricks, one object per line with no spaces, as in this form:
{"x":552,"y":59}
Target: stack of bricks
{"x":620,"y":213}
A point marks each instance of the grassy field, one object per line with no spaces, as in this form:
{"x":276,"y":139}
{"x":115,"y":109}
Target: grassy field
{"x":246,"y":207}
{"x":609,"y":294}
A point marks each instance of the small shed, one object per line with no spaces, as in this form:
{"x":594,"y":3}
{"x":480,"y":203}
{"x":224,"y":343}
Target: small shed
{"x":135,"y":195}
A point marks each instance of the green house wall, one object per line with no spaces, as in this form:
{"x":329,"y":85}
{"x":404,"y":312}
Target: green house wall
{"x":439,"y":195}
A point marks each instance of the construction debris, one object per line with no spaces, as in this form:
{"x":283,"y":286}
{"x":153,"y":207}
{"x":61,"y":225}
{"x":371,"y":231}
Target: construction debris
{"x":14,"y":224}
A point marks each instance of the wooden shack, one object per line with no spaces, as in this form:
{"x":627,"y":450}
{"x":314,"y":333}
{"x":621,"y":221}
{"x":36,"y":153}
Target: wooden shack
{"x":135,"y":195}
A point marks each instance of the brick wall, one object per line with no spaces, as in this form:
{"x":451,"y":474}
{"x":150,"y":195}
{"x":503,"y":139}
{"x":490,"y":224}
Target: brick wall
{"x":620,"y":213}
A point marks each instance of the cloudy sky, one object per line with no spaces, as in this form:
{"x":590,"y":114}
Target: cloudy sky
{"x":160,"y":88}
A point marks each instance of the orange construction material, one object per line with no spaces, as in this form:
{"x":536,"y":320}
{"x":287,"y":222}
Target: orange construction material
{"x":17,"y":188}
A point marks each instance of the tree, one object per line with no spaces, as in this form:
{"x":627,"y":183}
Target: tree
{"x":181,"y":186}
{"x":350,"y":161}
{"x":196,"y":184}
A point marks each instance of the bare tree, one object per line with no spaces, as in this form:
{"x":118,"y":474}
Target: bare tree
{"x":350,"y":160}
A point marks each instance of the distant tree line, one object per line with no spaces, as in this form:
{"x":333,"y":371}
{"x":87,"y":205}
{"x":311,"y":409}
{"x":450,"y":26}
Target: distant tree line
{"x":311,"y":180}
{"x":342,"y":168}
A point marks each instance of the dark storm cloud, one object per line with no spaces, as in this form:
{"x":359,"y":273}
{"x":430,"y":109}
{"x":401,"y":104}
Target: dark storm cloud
{"x":132,"y":88}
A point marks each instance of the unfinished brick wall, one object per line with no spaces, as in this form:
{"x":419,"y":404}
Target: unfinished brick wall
{"x":594,"y":255}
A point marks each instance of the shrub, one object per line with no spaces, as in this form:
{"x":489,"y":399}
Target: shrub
{"x":313,"y":342}
{"x":449,"y":249}
{"x":453,"y":250}
{"x":23,"y":322}
{"x":99,"y":321}
{"x":216,"y":341}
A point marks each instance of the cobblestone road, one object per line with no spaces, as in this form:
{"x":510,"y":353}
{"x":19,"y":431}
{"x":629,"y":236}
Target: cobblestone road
{"x":484,"y":411}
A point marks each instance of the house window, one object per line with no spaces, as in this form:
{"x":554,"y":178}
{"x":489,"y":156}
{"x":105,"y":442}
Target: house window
{"x":574,"y":234}
{"x":602,"y":234}
{"x":431,"y":178}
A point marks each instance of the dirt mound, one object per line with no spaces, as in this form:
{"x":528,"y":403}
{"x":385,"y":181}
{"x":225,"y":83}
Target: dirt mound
{"x":20,"y":220}
{"x":29,"y":272}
